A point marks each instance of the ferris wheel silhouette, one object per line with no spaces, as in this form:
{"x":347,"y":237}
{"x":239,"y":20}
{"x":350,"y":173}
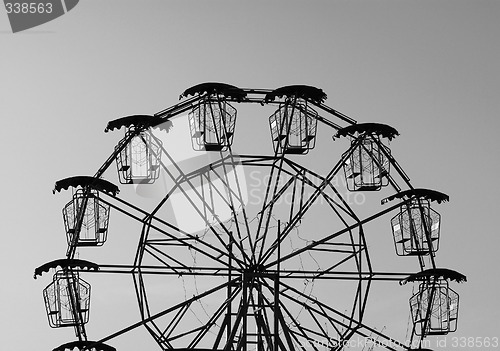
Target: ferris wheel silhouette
{"x":287,"y":267}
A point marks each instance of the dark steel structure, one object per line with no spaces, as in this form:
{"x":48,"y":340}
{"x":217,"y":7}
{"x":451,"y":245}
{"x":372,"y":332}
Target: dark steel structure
{"x":291,"y":271}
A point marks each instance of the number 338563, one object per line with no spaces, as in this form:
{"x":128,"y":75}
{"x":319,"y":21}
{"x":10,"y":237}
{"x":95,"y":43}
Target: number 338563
{"x":26,"y":7}
{"x":475,"y":342}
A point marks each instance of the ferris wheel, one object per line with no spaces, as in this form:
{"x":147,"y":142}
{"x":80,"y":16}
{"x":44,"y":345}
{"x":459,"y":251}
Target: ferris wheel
{"x":284,"y":265}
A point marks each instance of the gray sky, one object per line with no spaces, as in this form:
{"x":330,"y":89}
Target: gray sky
{"x":427,"y":68}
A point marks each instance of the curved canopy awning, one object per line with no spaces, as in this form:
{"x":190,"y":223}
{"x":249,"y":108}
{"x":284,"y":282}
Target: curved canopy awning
{"x":426,"y":194}
{"x":300,"y":91}
{"x":143,"y":121}
{"x":435,"y":273}
{"x":65,"y":263}
{"x":382,"y":130}
{"x":83,"y":181}
{"x":215,"y":88}
{"x":84,"y":345}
